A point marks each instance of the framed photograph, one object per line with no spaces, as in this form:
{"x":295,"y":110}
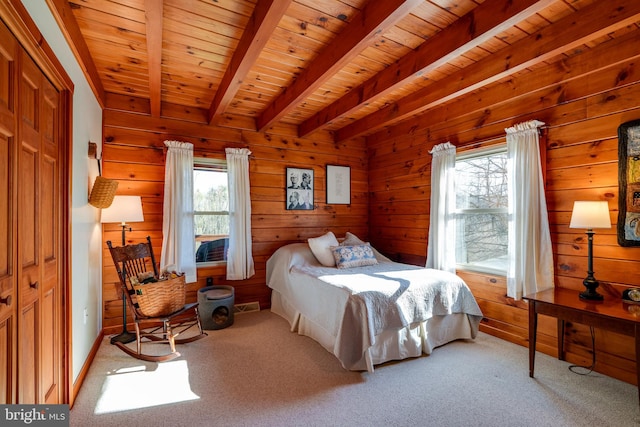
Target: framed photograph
{"x":299,"y":189}
{"x":628,"y":227}
{"x":338,"y":185}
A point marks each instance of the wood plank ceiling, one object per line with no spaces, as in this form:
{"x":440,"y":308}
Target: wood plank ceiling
{"x":354,"y":67}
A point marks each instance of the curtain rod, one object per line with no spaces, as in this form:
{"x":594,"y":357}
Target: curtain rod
{"x":495,"y":139}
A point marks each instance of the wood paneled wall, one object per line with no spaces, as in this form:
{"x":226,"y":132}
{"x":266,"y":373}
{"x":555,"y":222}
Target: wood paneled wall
{"x":133,"y":153}
{"x":583,"y":100}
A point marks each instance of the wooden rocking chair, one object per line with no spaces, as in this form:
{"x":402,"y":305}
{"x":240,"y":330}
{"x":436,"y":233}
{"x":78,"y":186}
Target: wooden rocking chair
{"x":130,"y":261}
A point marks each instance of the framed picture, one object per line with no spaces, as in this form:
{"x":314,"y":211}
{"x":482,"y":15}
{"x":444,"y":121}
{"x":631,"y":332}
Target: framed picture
{"x":299,"y":189}
{"x":628,"y":227}
{"x":338,"y":185}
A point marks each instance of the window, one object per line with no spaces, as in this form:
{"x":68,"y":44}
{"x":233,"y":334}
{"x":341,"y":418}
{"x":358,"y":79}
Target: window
{"x":211,"y":210}
{"x":481,"y":211}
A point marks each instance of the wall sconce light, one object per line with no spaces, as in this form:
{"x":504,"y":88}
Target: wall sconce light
{"x":103,"y":190}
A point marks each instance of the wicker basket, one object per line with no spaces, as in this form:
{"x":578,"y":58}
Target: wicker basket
{"x":160,"y":298}
{"x":103,"y":192}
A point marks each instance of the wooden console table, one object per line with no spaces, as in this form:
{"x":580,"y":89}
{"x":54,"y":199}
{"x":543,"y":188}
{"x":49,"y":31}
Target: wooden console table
{"x":565,"y":305}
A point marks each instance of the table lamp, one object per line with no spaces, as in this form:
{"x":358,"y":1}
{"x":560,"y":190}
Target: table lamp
{"x":590,"y":215}
{"x":124,"y":209}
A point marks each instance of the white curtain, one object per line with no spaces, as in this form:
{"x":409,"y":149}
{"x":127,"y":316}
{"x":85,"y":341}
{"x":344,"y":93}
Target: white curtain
{"x":441,"y":249}
{"x":530,"y":253}
{"x":178,"y":245}
{"x":239,"y":256}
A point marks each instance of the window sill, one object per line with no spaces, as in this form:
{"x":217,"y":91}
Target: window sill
{"x":211,"y":264}
{"x":479,"y":269}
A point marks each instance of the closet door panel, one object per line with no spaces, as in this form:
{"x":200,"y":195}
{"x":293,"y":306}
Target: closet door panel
{"x":27,"y":351}
{"x":8,"y":299}
{"x":6,"y":216}
{"x":28,"y":174}
{"x":49,"y":369}
{"x":50,"y":184}
{"x":29,"y":248}
{"x":6,"y":349}
{"x":8,"y":276}
{"x":50,"y":304}
{"x":49,"y":218}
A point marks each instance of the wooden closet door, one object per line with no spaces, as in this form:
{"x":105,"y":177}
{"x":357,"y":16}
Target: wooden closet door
{"x":30,"y":281}
{"x":8,"y":298}
{"x":50,"y":243}
{"x":39,"y":347}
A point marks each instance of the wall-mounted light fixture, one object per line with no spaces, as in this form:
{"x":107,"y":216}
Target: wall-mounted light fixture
{"x":104,"y":189}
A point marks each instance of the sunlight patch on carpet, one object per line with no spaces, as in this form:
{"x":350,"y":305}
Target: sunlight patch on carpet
{"x":136,"y":387}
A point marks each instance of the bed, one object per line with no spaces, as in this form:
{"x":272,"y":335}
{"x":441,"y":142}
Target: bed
{"x":370,"y":314}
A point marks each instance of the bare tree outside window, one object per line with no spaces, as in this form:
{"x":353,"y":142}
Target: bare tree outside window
{"x":481,"y":212}
{"x":211,"y":213}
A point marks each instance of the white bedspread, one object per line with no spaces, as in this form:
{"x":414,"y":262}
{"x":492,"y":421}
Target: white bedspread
{"x":357,"y":304}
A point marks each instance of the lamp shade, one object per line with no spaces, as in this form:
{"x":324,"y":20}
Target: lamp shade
{"x":590,"y":214}
{"x":123,"y":209}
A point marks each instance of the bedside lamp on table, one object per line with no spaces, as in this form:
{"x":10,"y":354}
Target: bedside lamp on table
{"x":590,"y":215}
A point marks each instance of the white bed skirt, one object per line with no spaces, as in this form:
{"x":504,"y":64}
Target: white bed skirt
{"x":411,"y":341}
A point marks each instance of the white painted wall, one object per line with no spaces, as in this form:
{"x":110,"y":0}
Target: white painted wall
{"x":86,"y":231}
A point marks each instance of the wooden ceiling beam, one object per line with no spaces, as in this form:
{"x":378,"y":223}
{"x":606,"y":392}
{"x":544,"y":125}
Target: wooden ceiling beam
{"x":615,"y":53}
{"x":264,"y":20}
{"x":479,"y":25}
{"x":369,"y":23}
{"x":61,"y":10}
{"x":591,"y":22}
{"x":153,"y":16}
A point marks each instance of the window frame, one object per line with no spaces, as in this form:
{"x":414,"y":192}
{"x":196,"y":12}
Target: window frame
{"x":466,"y":155}
{"x":214,"y":165}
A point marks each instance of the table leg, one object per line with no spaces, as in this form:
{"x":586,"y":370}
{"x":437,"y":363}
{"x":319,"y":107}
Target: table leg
{"x":533,"y":325}
{"x":560,"y":339}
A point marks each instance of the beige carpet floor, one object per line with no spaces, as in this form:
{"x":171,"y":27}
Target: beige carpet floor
{"x":258,"y":373}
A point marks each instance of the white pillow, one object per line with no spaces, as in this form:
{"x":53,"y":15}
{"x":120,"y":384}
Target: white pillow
{"x":351,"y":239}
{"x":321,"y":248}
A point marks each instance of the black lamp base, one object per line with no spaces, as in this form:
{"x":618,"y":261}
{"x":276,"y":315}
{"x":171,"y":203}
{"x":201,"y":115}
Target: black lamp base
{"x":125,"y":337}
{"x":590,"y":294}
